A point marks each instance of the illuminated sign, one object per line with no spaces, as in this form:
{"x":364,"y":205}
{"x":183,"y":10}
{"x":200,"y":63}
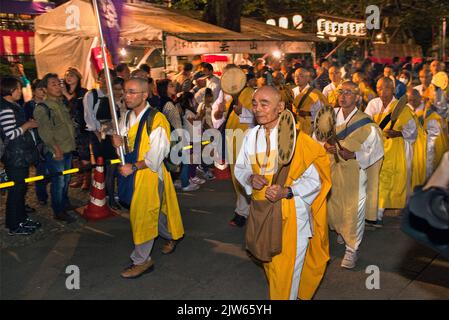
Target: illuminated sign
{"x":340,"y":29}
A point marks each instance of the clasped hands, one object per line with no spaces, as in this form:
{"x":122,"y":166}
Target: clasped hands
{"x":273,"y":193}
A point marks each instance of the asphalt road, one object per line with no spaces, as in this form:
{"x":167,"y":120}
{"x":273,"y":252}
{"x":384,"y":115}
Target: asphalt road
{"x":210,"y":262}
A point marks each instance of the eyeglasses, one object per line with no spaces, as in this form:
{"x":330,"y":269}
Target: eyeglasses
{"x":130,"y":92}
{"x":346,"y":92}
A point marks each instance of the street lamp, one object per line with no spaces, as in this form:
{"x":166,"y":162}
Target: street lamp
{"x":277,"y":54}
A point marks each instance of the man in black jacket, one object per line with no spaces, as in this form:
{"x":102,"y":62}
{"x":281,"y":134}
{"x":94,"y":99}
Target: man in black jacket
{"x":19,"y":154}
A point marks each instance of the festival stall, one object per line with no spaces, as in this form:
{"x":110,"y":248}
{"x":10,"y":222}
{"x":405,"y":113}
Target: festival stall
{"x":67,"y":36}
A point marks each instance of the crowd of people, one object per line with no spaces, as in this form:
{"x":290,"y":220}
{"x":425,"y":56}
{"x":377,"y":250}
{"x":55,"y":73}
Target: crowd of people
{"x":391,"y":132}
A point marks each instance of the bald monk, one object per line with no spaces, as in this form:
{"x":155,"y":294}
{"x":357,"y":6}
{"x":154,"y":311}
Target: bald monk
{"x":308,"y":101}
{"x":399,"y":137}
{"x":294,"y":196}
{"x":330,"y":91}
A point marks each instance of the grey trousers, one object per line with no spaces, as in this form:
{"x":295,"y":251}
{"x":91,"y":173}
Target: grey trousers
{"x":142,"y":252}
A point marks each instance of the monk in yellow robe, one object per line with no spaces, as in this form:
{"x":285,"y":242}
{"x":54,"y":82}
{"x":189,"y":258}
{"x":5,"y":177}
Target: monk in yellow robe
{"x":154,"y":206}
{"x":355,"y":177}
{"x":308,"y":101}
{"x":330,"y":91}
{"x":399,"y":137}
{"x":436,"y":128}
{"x":240,"y":119}
{"x":418,"y":175}
{"x":366,"y":92}
{"x":296,"y":270}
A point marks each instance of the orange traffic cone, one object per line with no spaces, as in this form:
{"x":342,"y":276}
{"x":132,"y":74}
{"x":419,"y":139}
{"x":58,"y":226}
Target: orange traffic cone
{"x":97,"y":208}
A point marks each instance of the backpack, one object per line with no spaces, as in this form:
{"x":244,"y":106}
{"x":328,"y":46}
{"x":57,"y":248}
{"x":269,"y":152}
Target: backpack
{"x":170,"y":166}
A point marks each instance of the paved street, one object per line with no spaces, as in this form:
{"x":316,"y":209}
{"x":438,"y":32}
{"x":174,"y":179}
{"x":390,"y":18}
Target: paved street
{"x":209,"y":263}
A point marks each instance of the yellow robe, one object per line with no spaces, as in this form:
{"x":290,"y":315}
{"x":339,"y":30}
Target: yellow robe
{"x":442,"y":141}
{"x":280,"y":270}
{"x":393,"y":175}
{"x":367,"y":94}
{"x":145,"y":204}
{"x":419,"y":155}
{"x":332,"y":98}
{"x":343,"y":203}
{"x":305,"y":123}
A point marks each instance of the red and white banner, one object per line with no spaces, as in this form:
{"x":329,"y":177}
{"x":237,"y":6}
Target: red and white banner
{"x":16,"y":42}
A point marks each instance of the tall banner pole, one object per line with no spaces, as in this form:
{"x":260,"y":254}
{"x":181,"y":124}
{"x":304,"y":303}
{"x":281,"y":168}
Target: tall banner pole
{"x":121,"y":150}
{"x":164,"y":52}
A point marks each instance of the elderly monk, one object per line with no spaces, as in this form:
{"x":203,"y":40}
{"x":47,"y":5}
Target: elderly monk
{"x":294,"y":194}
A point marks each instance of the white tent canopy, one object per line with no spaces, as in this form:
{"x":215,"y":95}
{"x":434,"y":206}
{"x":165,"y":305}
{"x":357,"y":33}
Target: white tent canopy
{"x":66,"y":35}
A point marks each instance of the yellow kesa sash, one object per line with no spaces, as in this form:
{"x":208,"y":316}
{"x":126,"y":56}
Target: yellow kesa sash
{"x":146,"y":204}
{"x":304,"y":123}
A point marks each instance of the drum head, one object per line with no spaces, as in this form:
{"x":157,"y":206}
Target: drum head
{"x":286,"y":137}
{"x":440,"y":80}
{"x":324,"y":123}
{"x":233,"y":80}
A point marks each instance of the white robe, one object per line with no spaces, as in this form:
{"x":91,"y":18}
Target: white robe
{"x":433,"y":131}
{"x":246,"y":117}
{"x":159,"y":144}
{"x":371,"y":151}
{"x":305,"y":190}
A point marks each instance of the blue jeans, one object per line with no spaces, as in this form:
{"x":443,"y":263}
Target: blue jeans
{"x":59,"y":185}
{"x":41,"y":186}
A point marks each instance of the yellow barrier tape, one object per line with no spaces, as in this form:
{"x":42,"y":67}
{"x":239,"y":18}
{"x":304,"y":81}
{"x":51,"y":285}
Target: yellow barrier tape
{"x":190,"y":147}
{"x":70,"y":171}
{"x":6,"y":184}
{"x":32,"y":179}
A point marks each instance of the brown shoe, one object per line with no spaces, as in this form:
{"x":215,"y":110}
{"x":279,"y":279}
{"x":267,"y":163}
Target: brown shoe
{"x":77,"y":181}
{"x":169,"y":247}
{"x":135,"y":271}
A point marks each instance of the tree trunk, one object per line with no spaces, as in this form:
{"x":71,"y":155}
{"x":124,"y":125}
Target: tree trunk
{"x":224,"y":13}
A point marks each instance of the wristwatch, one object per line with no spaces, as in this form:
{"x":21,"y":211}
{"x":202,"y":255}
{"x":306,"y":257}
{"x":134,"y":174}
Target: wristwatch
{"x":134,"y":167}
{"x":290,"y":193}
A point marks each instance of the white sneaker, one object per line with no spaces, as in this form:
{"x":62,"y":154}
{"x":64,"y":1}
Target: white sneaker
{"x":197,"y":180}
{"x":349,"y":259}
{"x":209,"y":175}
{"x":191,"y":187}
{"x":200,"y":169}
{"x":340,"y":239}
